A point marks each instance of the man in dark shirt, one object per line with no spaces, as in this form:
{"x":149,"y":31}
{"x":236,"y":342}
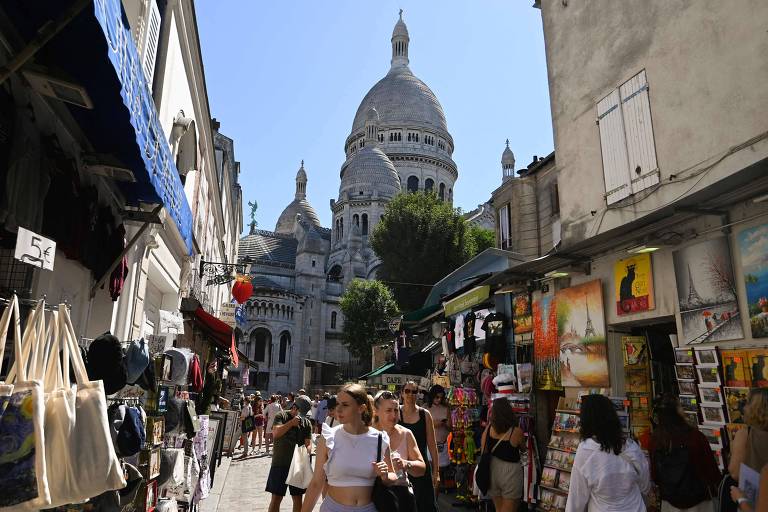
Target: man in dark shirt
{"x":290,"y":429}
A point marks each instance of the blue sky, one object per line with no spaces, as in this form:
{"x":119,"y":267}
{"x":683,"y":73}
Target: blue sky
{"x":285,"y":79}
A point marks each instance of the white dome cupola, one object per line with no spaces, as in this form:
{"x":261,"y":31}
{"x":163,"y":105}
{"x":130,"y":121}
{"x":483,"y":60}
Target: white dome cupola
{"x":400,"y":42}
{"x":507,"y":163}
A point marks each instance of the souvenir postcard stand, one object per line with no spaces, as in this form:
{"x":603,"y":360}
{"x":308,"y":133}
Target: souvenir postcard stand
{"x":638,"y":383}
{"x":561,"y":450}
{"x":462,"y":450}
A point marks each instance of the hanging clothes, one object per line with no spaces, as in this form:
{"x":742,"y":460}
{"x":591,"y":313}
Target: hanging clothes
{"x":120,"y":273}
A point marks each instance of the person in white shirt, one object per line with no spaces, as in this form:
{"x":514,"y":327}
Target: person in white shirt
{"x":330,"y":418}
{"x":270,"y":411}
{"x":245,"y":412}
{"x":609,"y":473}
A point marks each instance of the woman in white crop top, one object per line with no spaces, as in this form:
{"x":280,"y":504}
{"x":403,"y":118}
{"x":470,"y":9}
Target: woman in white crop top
{"x":346,"y":457}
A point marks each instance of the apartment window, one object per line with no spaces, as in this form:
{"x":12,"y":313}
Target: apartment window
{"x":626,"y":140}
{"x":333,"y":320}
{"x":554,"y":198}
{"x":504,"y":238}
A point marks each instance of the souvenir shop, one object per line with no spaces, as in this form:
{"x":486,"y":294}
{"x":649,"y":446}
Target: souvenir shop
{"x":686,"y":318}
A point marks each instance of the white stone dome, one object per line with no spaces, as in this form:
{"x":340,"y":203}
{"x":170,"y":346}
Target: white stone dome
{"x":401,"y":98}
{"x":368,"y":171}
{"x":287,"y":219}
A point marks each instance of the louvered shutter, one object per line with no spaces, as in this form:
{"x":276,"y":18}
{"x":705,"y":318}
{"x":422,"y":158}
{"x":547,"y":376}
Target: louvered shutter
{"x":613,"y":147}
{"x":151,"y":39}
{"x":641,"y":149}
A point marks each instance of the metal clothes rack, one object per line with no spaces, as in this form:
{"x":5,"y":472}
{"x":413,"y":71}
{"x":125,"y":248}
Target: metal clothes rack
{"x":31,"y":303}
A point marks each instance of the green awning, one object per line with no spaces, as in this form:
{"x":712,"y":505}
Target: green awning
{"x":420,"y":314}
{"x":377,"y":371}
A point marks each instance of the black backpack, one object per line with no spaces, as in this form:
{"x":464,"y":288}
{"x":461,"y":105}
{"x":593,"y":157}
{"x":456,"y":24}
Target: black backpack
{"x":675,"y":475}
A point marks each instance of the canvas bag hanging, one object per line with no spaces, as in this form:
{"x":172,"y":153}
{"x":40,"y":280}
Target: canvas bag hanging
{"x":300,"y":471}
{"x":79,"y":449}
{"x":23,"y":482}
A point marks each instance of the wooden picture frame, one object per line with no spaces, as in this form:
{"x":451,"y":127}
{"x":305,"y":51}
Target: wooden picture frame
{"x":149,"y":463}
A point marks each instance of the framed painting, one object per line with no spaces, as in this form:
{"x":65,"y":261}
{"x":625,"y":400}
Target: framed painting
{"x":711,"y":395}
{"x":735,"y":400}
{"x":706,"y":356}
{"x":736,"y":368}
{"x":708,"y":376}
{"x":713,"y":414}
{"x":753,"y":243}
{"x":685,"y":372}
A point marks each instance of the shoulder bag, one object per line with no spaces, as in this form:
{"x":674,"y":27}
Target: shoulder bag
{"x":383,"y":497}
{"x":483,"y":470}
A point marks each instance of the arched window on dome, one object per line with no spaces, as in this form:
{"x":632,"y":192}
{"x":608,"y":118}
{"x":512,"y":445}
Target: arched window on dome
{"x":429,"y":185}
{"x":441,"y":192}
{"x":356,"y":220}
{"x":285,"y":341}
{"x":333,"y":319}
{"x":261,"y":339}
{"x":335,"y":273}
{"x":364,"y":228}
{"x":413,"y":184}
{"x":399,"y":137}
{"x":450,"y":194}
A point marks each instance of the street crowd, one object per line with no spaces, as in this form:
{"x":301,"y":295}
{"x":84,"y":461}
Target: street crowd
{"x":373,"y":452}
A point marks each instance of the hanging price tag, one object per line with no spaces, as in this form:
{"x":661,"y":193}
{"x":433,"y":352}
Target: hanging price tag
{"x":35,"y":249}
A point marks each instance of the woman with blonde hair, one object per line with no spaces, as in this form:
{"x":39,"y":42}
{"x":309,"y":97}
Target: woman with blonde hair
{"x":346,"y":457}
{"x":750,"y":445}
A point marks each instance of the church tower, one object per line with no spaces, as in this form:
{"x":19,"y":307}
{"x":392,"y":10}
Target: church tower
{"x":507,"y":164}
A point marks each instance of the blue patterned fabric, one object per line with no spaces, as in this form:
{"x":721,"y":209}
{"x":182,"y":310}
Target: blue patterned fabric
{"x":18,"y":482}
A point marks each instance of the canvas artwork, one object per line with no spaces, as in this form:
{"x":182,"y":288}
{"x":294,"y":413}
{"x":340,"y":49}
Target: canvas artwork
{"x":735,"y":368}
{"x":581,"y":332}
{"x":711,"y":395}
{"x":706,"y":356}
{"x":635,"y":351}
{"x":713,"y":414}
{"x":753,"y":245}
{"x":522,"y":317}
{"x":633,"y":284}
{"x":545,"y":345}
{"x":708,"y":377}
{"x":706,"y":292}
{"x":735,"y":400}
{"x":757,"y":361}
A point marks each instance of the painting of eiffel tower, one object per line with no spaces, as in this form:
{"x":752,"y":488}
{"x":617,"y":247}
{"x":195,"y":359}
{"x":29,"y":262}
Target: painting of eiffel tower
{"x":706,"y":291}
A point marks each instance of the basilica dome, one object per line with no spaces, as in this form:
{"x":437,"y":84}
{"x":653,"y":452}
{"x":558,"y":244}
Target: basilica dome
{"x":370,"y":169}
{"x":287,"y":220}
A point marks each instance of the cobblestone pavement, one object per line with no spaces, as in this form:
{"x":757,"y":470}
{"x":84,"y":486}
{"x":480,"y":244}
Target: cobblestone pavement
{"x":239,"y":486}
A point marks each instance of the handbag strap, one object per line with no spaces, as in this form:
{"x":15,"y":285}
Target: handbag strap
{"x":71,"y":350}
{"x":11,"y":311}
{"x":498,"y":442}
{"x":378,"y":450}
{"x":29,"y":344}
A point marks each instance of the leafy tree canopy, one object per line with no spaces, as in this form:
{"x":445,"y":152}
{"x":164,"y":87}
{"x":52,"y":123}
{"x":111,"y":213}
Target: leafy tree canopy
{"x":367,"y":306}
{"x":420,"y":240}
{"x":481,"y":239}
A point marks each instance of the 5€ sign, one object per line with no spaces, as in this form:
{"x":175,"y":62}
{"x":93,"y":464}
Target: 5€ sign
{"x":35,"y":249}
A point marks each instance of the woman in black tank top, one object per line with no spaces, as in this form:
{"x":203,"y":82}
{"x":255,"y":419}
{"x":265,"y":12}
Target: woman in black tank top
{"x":502,"y":439}
{"x":424,"y":432}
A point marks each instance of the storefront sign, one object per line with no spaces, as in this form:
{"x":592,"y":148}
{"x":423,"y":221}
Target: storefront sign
{"x":466,"y":300}
{"x":227,"y":314}
{"x":35,"y":249}
{"x":395,"y":379}
{"x":633,"y":284}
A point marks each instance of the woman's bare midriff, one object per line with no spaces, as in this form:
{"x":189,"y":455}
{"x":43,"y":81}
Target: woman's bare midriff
{"x":350,"y":496}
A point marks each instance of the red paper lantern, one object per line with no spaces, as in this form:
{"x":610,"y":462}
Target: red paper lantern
{"x":242,"y":290}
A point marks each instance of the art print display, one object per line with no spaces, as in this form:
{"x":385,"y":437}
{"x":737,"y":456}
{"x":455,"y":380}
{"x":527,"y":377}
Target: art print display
{"x":633,"y":284}
{"x":685,"y":372}
{"x":524,"y":377}
{"x":735,"y":368}
{"x":687,"y":387}
{"x":757,"y":360}
{"x":706,"y":292}
{"x":689,"y":403}
{"x":753,"y":246}
{"x":711,"y":395}
{"x":706,"y":356}
{"x":684,"y":356}
{"x":635,"y":351}
{"x":708,"y":377}
{"x":581,"y":333}
{"x":713,"y":435}
{"x":546,"y":348}
{"x":549,"y":477}
{"x":735,"y":400}
{"x":713,"y":414}
{"x":522,"y":314}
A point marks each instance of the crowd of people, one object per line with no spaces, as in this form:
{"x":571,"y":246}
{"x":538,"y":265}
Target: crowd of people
{"x":391,"y":438}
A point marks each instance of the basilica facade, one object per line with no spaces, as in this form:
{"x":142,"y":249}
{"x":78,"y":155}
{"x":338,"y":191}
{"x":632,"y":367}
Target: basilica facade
{"x":293,"y":323}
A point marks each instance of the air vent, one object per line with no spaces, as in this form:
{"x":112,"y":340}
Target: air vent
{"x":59,"y":88}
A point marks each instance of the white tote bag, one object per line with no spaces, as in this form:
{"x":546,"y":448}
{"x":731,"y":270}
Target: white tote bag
{"x":23,"y":482}
{"x":79,"y":449}
{"x":300,"y":471}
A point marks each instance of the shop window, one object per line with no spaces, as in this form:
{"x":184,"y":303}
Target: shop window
{"x":285,"y":341}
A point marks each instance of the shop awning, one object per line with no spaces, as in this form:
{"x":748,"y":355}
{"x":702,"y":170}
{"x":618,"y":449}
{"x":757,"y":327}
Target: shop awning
{"x":378,"y":371}
{"x":466,"y":300}
{"x":218,"y":332}
{"x":422,"y":314}
{"x":96,"y":52}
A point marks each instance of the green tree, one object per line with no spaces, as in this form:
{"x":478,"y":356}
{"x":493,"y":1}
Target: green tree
{"x":480,"y":239}
{"x":367,"y":306}
{"x":420,"y":240}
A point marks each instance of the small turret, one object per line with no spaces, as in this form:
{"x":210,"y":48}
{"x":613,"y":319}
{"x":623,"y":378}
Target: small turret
{"x":507,"y":163}
{"x":400,"y":40}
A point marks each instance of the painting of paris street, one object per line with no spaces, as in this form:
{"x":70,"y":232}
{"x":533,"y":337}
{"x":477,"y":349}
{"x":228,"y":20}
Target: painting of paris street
{"x":706,"y":293}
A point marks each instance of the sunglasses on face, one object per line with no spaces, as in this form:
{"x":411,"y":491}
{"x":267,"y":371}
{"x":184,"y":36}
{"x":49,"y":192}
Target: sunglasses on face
{"x":410,"y":391}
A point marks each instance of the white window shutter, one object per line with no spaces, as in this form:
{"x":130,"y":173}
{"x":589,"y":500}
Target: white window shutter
{"x":613,"y":148}
{"x":151,"y":39}
{"x":641,"y":149}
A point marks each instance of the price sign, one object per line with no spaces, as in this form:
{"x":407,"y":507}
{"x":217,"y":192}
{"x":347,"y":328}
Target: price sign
{"x":227,"y":314}
{"x":35,"y":249}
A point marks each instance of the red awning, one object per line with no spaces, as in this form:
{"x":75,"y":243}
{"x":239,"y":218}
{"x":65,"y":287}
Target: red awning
{"x":219,"y":332}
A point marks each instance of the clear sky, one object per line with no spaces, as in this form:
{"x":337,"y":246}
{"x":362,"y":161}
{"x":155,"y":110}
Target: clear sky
{"x":285,"y":79}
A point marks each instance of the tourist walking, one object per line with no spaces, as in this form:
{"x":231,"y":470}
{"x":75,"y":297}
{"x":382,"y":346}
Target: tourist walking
{"x":245,"y":412}
{"x":270,"y":412}
{"x":346,"y":457}
{"x":419,"y":421}
{"x":406,"y":457}
{"x":290,"y":428}
{"x":258,"y":422}
{"x":610,"y":473}
{"x":322,"y":412}
{"x":502,"y":438}
{"x":441,"y":417}
{"x":682,"y":463}
{"x":330,"y":418}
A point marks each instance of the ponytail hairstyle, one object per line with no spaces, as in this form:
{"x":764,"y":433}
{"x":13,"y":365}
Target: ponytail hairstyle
{"x":359,"y":395}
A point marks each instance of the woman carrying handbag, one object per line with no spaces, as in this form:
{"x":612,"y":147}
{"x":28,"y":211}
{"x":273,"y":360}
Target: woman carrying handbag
{"x":354,"y":459}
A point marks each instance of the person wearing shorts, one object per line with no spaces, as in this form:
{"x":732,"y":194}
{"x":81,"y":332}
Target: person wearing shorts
{"x":290,"y":429}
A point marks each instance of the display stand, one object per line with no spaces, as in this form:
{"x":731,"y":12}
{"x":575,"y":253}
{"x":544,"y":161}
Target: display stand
{"x":561,"y":451}
{"x":462,"y":449}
